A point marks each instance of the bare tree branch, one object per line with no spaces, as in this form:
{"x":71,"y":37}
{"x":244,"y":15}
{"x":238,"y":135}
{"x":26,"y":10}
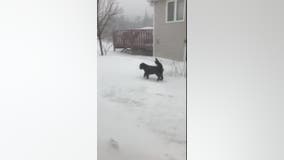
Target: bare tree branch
{"x":107,"y":9}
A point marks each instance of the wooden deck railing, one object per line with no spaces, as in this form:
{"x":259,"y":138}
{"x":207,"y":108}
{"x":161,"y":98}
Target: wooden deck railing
{"x":134,"y":39}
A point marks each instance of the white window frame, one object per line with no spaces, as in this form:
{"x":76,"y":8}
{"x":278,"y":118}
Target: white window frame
{"x":175,"y":11}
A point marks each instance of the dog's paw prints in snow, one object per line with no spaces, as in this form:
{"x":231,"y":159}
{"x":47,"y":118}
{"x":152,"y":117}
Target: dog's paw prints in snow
{"x":122,"y":96}
{"x":109,"y":93}
{"x":164,"y":95}
{"x":127,"y":101}
{"x":139,"y":89}
{"x":114,"y":144}
{"x":113,"y":92}
{"x":169,"y":157}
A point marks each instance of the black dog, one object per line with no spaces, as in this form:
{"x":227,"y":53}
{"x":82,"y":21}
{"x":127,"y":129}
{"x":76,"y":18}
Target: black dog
{"x":158,"y":70}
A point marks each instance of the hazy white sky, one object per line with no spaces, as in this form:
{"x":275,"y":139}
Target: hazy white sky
{"x":133,"y":8}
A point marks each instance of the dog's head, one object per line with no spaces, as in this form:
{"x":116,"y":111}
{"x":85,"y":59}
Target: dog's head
{"x":142,"y":65}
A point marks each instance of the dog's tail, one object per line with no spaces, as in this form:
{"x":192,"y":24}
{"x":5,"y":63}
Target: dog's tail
{"x":159,"y":64}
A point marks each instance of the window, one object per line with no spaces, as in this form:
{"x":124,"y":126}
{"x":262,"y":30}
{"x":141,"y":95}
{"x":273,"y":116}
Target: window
{"x":175,"y":10}
{"x":171,"y":11}
{"x":180,"y":8}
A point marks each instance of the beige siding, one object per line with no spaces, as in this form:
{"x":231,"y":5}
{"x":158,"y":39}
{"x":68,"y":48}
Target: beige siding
{"x":169,"y":38}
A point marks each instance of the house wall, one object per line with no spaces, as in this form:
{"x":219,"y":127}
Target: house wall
{"x":169,"y":38}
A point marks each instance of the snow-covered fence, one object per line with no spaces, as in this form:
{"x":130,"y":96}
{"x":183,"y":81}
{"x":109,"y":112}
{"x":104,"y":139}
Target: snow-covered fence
{"x":134,"y":39}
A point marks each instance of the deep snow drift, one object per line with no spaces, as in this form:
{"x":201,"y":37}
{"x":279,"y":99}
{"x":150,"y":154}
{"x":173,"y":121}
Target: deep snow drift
{"x":137,"y":118}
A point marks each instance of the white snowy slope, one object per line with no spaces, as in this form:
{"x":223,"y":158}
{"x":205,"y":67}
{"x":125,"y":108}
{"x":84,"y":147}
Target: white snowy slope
{"x":137,"y":118}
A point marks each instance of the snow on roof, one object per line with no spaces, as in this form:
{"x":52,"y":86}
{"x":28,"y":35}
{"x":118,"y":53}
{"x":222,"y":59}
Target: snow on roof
{"x":152,"y":1}
{"x":145,"y":28}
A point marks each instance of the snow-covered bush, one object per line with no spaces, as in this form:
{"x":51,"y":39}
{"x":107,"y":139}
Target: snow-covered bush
{"x":107,"y":47}
{"x":173,"y":68}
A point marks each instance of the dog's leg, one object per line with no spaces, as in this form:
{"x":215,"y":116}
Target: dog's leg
{"x":158,"y":77}
{"x":145,"y":75}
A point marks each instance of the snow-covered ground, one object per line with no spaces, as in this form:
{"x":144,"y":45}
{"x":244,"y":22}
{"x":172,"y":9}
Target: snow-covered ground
{"x":137,"y":118}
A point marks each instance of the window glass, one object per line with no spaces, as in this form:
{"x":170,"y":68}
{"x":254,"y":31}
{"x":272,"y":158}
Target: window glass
{"x":180,"y":9}
{"x":171,"y":9}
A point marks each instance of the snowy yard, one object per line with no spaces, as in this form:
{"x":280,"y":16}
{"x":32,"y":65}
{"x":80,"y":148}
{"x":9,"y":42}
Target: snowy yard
{"x":137,"y":118}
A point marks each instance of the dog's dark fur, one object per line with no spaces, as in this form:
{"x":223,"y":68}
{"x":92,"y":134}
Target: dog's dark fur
{"x":158,"y":70}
